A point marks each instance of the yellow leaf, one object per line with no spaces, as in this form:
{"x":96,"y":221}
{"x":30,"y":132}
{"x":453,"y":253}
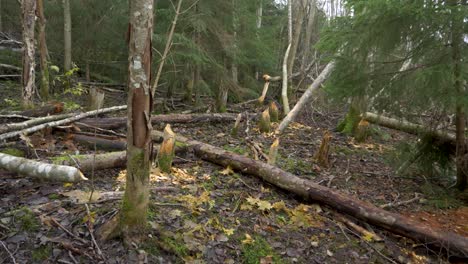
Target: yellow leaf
{"x":91,"y":218}
{"x":253,"y":201}
{"x":68,"y":184}
{"x":248,"y":239}
{"x":264,"y":205}
{"x":246,"y":207}
{"x":229,"y":231}
{"x":368,"y":237}
{"x":227,"y":171}
{"x":279,"y":206}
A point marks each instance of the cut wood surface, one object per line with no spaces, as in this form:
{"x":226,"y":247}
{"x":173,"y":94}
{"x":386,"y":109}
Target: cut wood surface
{"x":117,"y":122}
{"x":49,"y":109}
{"x":455,"y":244}
{"x":61,"y":122}
{"x":29,"y":123}
{"x":408,"y":127}
{"x":40,"y":170}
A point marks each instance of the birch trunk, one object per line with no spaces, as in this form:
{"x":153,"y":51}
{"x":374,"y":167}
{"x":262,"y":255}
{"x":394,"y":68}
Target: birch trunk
{"x":40,"y":170}
{"x":291,"y":116}
{"x":299,"y":14}
{"x":308,"y":37}
{"x":284,"y":90}
{"x":44,"y":91}
{"x":28,"y":78}
{"x":67,"y":36}
{"x":132,"y":220}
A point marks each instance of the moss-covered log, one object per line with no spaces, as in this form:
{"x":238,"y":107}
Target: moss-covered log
{"x":40,"y":170}
{"x":454,"y":244}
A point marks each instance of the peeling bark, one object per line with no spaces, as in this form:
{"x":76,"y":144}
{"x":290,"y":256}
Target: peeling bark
{"x":28,"y":78}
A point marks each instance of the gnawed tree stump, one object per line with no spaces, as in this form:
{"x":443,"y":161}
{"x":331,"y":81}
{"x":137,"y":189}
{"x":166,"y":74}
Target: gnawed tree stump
{"x":362,"y":131}
{"x":166,"y":152}
{"x":454,"y":244}
{"x":323,"y":153}
{"x":40,"y":170}
{"x":235,"y":129}
{"x":274,"y":112}
{"x":264,"y":124}
{"x":273,"y":152}
{"x":96,"y":98}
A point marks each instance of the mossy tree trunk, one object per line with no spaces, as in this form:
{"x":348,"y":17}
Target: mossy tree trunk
{"x":351,"y":121}
{"x":43,"y":51}
{"x":28,"y":77}
{"x":132,"y":220}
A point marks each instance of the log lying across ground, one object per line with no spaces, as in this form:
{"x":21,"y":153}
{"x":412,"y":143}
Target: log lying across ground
{"x":454,"y":244}
{"x":49,"y":109}
{"x":101,"y":143}
{"x":117,"y":122}
{"x":89,"y":162}
{"x":29,"y":123}
{"x":40,"y":170}
{"x":61,"y":122}
{"x":408,"y":127}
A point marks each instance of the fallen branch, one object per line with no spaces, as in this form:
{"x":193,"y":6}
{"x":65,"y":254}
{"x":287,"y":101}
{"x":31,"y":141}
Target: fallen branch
{"x":40,"y":170}
{"x":36,"y":121}
{"x":117,"y":122}
{"x":60,"y":122}
{"x":417,"y":197}
{"x":305,"y":98}
{"x":10,"y":67}
{"x":408,"y":127}
{"x":49,"y":109}
{"x":455,"y":245}
{"x":101,"y":143}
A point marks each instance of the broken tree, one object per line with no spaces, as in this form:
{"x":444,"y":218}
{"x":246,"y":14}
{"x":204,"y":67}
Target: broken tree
{"x":455,"y":244}
{"x":40,"y":170}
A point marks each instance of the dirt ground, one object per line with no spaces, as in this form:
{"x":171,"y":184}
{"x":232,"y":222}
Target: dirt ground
{"x":203,"y":213}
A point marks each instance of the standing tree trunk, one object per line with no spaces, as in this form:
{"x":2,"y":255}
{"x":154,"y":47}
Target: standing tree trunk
{"x":1,"y":26}
{"x":284,"y":89}
{"x":131,"y":222}
{"x":299,"y":13}
{"x":43,"y":51}
{"x":308,"y":37}
{"x":259,"y":26}
{"x":460,"y":120}
{"x":67,"y":36}
{"x":28,"y":78}
{"x":136,"y":197}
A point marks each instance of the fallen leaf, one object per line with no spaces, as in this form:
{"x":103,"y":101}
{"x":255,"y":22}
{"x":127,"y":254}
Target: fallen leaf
{"x":264,"y":205}
{"x":248,"y":240}
{"x":227,"y":171}
{"x":329,"y":253}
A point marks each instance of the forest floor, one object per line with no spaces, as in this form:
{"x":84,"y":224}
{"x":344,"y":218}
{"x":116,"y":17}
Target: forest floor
{"x":212,"y":214}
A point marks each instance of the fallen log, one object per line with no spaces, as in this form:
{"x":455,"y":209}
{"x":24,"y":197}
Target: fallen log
{"x":117,"y":122}
{"x":305,"y":98}
{"x":60,"y":122}
{"x":408,"y":127}
{"x":49,"y":109}
{"x":32,"y":122}
{"x":101,"y":143}
{"x":454,"y":244}
{"x":89,"y":162}
{"x":40,"y":170}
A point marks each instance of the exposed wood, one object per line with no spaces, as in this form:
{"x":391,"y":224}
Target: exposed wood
{"x":60,"y":122}
{"x":323,"y":153}
{"x":117,"y":122}
{"x":40,"y":170}
{"x":235,"y":129}
{"x":305,"y":98}
{"x":166,"y":152}
{"x":273,"y":152}
{"x":264,"y":124}
{"x":455,"y":244}
{"x":48,"y":109}
{"x":409,"y":127}
{"x":32,"y":122}
{"x":274,"y":112}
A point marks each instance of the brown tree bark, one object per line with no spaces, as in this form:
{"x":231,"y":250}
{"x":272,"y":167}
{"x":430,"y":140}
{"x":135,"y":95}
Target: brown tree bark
{"x":454,"y":244}
{"x":44,"y":91}
{"x":101,"y":143}
{"x":48,"y":109}
{"x":28,"y":78}
{"x":117,"y":122}
{"x":132,"y":217}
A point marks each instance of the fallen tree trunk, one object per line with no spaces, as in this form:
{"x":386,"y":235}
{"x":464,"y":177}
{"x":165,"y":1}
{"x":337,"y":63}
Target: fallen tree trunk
{"x":60,"y":122}
{"x":40,"y":170}
{"x":305,"y":98}
{"x":117,"y":122}
{"x":97,"y":162}
{"x":101,"y":143}
{"x":36,"y":121}
{"x":454,"y":244}
{"x":408,"y":127}
{"x":50,"y":109}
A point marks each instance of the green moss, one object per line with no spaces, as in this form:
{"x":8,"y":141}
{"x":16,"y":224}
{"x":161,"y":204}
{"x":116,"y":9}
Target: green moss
{"x":237,"y":149}
{"x":260,"y":248}
{"x":41,"y":253}
{"x":349,"y":124}
{"x":175,"y":246}
{"x":165,"y":162}
{"x":53,"y":196}
{"x":28,"y":221}
{"x":60,"y":159}
{"x":13,"y":152}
